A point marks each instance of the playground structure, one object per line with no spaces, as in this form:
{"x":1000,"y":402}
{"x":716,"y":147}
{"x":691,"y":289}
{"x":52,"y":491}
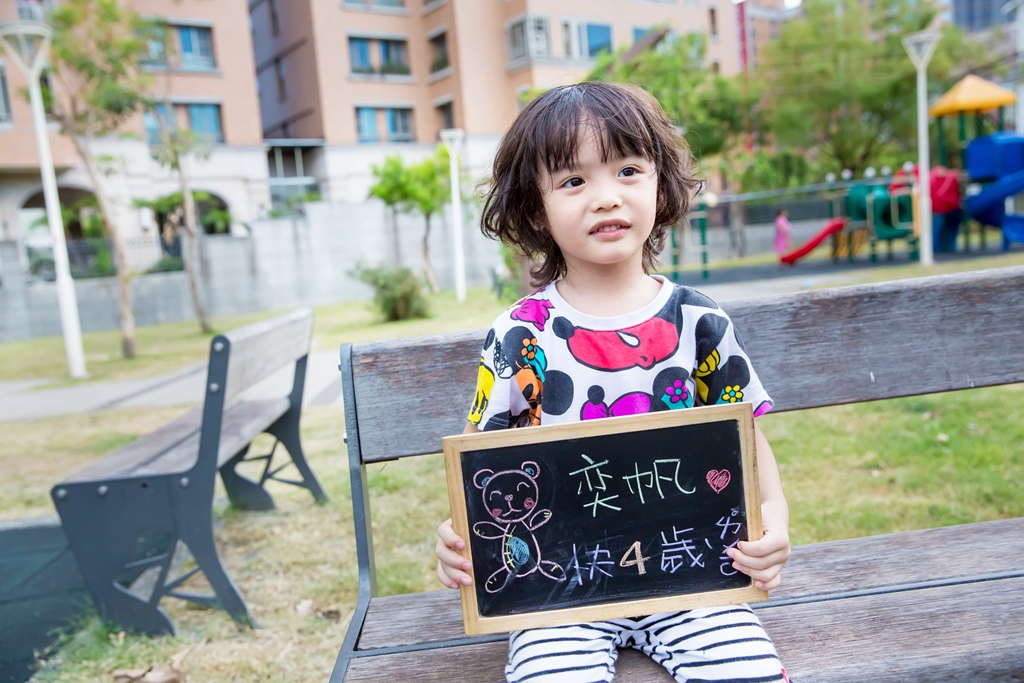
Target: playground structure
{"x":998,"y":161}
{"x":867,"y":213}
{"x":875,"y":213}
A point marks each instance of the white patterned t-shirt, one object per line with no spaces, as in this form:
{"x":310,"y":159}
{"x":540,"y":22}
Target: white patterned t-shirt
{"x":545,"y":362}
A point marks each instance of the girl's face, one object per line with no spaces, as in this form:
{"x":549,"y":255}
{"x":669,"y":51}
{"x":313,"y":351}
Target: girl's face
{"x":600,"y":213}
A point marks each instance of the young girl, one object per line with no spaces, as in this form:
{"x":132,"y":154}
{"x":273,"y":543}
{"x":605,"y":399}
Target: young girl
{"x":590,"y":178}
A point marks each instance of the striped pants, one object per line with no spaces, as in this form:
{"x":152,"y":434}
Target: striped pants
{"x":719,"y":644}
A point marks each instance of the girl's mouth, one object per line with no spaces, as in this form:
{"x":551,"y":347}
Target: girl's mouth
{"x":609,"y":226}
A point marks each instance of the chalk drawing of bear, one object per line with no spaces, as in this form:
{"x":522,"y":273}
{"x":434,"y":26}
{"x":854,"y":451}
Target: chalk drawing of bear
{"x":511,"y":499}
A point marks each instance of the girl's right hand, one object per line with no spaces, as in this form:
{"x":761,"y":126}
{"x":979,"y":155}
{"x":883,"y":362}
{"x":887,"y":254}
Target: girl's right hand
{"x":452,"y":568}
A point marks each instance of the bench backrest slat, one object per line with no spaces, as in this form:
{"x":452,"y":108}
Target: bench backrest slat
{"x":411,"y":393}
{"x":259,"y":349}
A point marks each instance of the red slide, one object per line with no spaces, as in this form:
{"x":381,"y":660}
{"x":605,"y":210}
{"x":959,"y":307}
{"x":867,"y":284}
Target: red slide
{"x":834,"y":225}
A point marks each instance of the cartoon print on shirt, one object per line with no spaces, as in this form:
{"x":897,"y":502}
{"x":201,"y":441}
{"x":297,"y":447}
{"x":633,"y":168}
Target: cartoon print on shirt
{"x":533,"y":311}
{"x":545,"y":390}
{"x":669,"y":393}
{"x":643,"y":345}
{"x":719,"y":382}
{"x":482,"y":395}
{"x":510,"y":497}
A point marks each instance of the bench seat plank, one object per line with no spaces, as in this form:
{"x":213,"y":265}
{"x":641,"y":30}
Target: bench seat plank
{"x":833,"y":640}
{"x":140,"y":450}
{"x":916,"y":635}
{"x":174,"y":447}
{"x":850,"y":565}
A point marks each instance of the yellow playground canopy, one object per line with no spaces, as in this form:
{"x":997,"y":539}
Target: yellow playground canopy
{"x":972,"y":93}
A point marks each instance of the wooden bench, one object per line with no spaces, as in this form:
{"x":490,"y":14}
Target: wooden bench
{"x":133,"y":518}
{"x":934,"y":605}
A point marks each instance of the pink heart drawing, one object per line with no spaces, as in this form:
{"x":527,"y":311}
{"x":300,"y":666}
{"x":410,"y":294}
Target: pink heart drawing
{"x":719,"y":479}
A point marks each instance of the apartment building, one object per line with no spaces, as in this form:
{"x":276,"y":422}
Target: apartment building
{"x":205,"y":82}
{"x":343,"y":83}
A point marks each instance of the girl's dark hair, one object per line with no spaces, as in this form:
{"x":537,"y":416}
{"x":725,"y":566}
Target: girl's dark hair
{"x":548,"y":133}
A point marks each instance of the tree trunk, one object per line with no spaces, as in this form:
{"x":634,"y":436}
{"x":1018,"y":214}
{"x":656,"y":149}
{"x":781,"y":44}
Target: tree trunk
{"x":394,"y":237}
{"x":124,"y":276}
{"x":192,"y":261}
{"x":428,"y":269}
{"x":737,"y":230}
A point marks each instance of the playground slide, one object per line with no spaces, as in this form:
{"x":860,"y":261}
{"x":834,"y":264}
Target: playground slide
{"x":834,"y":225}
{"x":987,"y":206}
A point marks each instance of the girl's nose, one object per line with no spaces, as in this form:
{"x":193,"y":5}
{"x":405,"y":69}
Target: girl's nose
{"x":606,"y":196}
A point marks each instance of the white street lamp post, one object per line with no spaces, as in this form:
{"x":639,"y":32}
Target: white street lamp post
{"x":1015,"y":6}
{"x":452,"y":138}
{"x":920,"y":46}
{"x":26,"y":42}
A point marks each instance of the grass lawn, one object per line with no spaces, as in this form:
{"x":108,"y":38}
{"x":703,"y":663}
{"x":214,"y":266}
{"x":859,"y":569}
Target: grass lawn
{"x":847,"y":470}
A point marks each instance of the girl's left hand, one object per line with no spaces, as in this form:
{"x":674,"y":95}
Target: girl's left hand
{"x":763,"y":560}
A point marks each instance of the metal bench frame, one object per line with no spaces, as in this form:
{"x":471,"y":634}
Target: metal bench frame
{"x":130,"y":517}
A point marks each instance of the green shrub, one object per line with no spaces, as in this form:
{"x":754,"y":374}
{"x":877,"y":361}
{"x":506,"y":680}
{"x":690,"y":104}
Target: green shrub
{"x":167,"y":264}
{"x":398,"y":293}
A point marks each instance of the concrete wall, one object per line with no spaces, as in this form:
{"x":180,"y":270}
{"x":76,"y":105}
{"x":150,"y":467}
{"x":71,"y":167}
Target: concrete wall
{"x":283,"y":263}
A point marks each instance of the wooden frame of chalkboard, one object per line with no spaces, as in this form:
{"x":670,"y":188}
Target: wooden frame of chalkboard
{"x":603,"y":519}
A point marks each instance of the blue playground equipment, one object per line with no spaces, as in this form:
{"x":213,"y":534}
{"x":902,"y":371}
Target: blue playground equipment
{"x":997,"y":160}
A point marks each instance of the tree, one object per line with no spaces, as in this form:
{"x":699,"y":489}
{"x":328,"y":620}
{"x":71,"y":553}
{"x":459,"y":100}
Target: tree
{"x":392,"y":187}
{"x":174,"y":148}
{"x":422,"y":187}
{"x":839,"y":81}
{"x":429,"y":189}
{"x":95,"y":64}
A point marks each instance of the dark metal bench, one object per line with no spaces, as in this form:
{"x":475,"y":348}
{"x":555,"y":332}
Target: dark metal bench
{"x":133,"y":518}
{"x":902,"y":607}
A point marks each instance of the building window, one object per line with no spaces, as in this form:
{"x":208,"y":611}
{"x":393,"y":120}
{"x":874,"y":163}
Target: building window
{"x":366,"y":124}
{"x":595,"y":38}
{"x":639,"y":33}
{"x":712,"y":22}
{"x":439,"y":50}
{"x":447,"y":114}
{"x":359,"y":55}
{"x":540,"y":38}
{"x":275,"y":19}
{"x":399,"y":125}
{"x":517,"y":48}
{"x":196,"y":48}
{"x":152,"y":119}
{"x":585,"y":40}
{"x":204,"y":119}
{"x":5,"y":101}
{"x":528,"y":37}
{"x":282,"y":87}
{"x":394,"y":57}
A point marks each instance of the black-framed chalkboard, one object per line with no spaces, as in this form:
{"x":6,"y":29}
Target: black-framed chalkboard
{"x":607,"y":518}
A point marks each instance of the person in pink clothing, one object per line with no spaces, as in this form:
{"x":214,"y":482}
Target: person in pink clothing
{"x":782,"y":230}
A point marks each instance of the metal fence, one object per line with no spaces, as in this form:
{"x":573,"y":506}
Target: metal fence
{"x":95,"y":257}
{"x":804,"y":203}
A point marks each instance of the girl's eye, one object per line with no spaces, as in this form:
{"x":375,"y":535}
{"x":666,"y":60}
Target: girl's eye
{"x":573,"y":182}
{"x":629,"y":172}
